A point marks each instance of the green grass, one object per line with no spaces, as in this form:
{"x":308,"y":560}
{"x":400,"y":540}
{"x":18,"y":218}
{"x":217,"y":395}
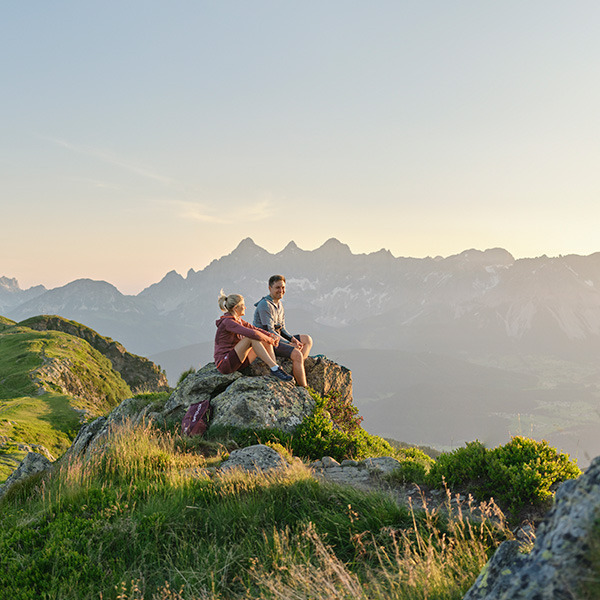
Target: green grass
{"x":23,"y":350}
{"x":49,"y":419}
{"x":144,"y":520}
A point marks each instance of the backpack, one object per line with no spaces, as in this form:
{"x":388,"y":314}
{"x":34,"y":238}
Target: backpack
{"x":195,"y":420}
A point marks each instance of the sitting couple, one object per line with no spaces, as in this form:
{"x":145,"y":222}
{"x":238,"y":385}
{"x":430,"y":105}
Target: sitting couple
{"x":238,"y":343}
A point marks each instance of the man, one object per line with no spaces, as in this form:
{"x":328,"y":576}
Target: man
{"x":269,"y":315}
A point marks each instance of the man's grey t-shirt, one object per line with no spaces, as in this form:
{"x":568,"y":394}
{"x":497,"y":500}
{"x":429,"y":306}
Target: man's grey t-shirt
{"x":270,"y":315}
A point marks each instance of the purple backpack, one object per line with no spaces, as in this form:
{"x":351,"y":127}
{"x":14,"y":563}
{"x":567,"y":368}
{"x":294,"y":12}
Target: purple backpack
{"x":195,"y":421}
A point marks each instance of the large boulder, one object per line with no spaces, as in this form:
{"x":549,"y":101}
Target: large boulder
{"x":262,"y":403}
{"x":322,"y":375}
{"x":206,"y":383}
{"x":560,"y":559}
{"x":254,"y":399}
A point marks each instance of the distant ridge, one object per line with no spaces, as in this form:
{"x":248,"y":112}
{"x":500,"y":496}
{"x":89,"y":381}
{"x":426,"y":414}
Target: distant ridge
{"x":537,"y":317}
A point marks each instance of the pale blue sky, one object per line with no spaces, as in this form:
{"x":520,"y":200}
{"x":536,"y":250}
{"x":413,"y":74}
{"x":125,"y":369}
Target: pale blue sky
{"x":142,"y":136}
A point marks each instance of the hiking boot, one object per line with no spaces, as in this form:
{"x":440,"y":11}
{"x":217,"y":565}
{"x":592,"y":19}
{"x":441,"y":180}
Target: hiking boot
{"x":281,"y":374}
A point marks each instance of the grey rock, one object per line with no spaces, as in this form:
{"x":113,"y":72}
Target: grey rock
{"x":92,"y":435}
{"x":382,"y":464}
{"x":32,"y":463}
{"x":86,"y":437}
{"x":322,"y":375}
{"x":207,"y":382}
{"x":559,"y":560}
{"x":254,"y":458}
{"x":329,"y":462}
{"x":262,"y":403}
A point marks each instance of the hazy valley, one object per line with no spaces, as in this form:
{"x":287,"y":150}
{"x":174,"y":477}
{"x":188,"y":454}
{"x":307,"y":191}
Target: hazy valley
{"x":442,"y":350}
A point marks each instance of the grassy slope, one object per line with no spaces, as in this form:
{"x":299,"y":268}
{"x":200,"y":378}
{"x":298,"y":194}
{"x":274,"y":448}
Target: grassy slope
{"x":49,"y":419}
{"x":150,"y":513}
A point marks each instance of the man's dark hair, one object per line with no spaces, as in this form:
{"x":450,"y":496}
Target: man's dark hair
{"x":275,"y":278}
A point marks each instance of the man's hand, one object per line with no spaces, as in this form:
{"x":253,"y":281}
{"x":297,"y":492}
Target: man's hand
{"x":297,"y":343}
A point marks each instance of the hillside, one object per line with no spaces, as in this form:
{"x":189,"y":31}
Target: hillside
{"x":136,"y":511}
{"x":52,"y":381}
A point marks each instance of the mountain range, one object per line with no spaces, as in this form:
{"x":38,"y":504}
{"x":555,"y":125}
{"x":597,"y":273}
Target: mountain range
{"x":488,"y":345}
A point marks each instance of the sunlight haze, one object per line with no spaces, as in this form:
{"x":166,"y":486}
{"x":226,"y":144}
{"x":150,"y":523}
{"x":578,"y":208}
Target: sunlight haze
{"x":143,"y":137}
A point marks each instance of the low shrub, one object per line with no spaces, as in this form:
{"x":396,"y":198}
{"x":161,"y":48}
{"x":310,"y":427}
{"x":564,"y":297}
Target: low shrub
{"x":414,"y":467}
{"x":468,"y":464}
{"x":334,"y":430}
{"x":522,"y":472}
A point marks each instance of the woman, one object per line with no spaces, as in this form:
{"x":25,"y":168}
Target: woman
{"x":237,"y":343}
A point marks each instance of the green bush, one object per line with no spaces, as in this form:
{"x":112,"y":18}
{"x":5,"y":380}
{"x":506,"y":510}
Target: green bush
{"x":468,"y":464}
{"x":525,"y":471}
{"x":334,"y":430}
{"x":522,"y":472}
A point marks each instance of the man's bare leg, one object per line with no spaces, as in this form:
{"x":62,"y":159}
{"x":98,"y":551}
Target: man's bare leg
{"x":307,"y":344}
{"x":298,"y":367}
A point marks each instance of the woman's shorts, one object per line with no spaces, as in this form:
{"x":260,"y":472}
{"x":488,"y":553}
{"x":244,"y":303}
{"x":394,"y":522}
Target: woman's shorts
{"x":231,"y":363}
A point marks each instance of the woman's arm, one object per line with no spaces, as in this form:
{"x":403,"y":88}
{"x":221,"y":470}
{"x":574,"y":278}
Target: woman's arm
{"x":247,"y":330}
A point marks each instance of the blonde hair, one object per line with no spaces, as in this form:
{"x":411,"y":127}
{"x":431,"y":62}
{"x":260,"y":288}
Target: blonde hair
{"x":228,"y":303}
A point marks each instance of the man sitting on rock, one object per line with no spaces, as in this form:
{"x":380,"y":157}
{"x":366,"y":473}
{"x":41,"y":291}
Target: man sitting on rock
{"x":269,"y":315}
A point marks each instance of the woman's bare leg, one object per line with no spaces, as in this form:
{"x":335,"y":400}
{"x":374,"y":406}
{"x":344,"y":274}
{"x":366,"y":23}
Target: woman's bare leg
{"x":242,"y":348}
{"x":250,"y":349}
{"x":264,"y":352}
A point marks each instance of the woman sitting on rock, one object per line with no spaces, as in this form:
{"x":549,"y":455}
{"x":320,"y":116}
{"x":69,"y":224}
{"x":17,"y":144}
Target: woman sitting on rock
{"x":238,"y":343}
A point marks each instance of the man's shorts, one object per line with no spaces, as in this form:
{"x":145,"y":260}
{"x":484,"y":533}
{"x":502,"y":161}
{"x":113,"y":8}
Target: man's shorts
{"x":231,"y":363}
{"x":284,"y":348}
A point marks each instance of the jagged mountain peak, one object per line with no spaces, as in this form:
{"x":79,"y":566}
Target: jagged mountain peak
{"x":334,"y":246}
{"x":382,"y":253}
{"x":247,"y":245}
{"x":290,"y":249}
{"x":9,"y":284}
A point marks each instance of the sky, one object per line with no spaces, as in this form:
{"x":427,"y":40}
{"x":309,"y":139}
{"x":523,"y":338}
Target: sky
{"x":141,"y":137}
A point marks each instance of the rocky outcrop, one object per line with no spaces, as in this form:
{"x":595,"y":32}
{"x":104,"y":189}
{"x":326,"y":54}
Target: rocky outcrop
{"x":251,"y":401}
{"x":94,"y":434}
{"x":353,"y":472}
{"x":138,"y":373}
{"x":262,"y":403}
{"x":255,"y":399}
{"x":322,"y":375}
{"x":32,"y":463}
{"x":559,"y":561}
